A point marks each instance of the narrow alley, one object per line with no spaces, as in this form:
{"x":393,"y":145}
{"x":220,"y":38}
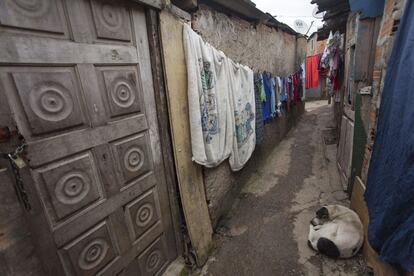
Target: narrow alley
{"x":266,"y":232}
{"x":206,"y":138}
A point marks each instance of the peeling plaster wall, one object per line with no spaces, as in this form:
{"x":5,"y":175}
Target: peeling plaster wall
{"x":262,"y":48}
{"x":301,"y":43}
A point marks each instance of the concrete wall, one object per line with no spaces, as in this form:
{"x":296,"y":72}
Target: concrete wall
{"x":312,"y":45}
{"x":301,"y":51}
{"x":262,"y":48}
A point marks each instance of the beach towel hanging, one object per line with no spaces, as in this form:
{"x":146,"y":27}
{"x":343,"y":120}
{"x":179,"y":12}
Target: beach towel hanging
{"x":244,"y":110}
{"x":208,"y":98}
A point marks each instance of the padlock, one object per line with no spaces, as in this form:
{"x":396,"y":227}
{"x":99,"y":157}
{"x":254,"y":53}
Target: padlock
{"x":18,"y":161}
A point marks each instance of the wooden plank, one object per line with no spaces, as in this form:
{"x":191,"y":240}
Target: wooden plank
{"x":364,"y":49}
{"x":358,"y":204}
{"x":144,"y":56}
{"x":35,"y":50}
{"x":189,"y":174}
{"x":164,"y":123}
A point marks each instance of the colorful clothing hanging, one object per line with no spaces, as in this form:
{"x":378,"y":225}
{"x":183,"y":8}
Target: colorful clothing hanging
{"x":266,"y":106}
{"x":272,"y":97}
{"x":312,"y":74}
{"x":258,"y":85}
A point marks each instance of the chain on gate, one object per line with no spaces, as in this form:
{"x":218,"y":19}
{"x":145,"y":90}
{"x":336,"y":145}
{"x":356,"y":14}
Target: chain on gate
{"x":17,"y":163}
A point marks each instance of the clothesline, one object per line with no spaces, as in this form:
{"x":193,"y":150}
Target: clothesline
{"x":274,"y":97}
{"x":221,"y":105}
{"x":229,"y":104}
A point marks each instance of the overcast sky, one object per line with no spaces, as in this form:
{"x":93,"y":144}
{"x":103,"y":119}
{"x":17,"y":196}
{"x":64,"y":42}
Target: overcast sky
{"x":287,"y":11}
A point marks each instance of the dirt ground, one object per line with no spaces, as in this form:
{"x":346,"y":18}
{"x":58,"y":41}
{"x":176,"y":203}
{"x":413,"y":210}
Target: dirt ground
{"x":266,"y":231}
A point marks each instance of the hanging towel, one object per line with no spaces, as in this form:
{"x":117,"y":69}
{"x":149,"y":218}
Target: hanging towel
{"x":272,"y":97}
{"x":210,"y":117}
{"x":243,"y":105}
{"x":277,"y":93}
{"x":390,"y":185}
{"x":312,"y":74}
{"x":267,"y":104}
{"x":303,"y":79}
{"x":258,"y":85}
{"x":262,"y":90}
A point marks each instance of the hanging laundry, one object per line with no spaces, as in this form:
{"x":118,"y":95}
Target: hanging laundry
{"x":277,"y":93}
{"x":244,"y":108}
{"x":289,"y":93}
{"x":258,"y":86}
{"x":295,"y":89}
{"x":209,"y":107}
{"x":267,"y":104}
{"x":283,"y":95}
{"x":272,"y":97}
{"x":303,"y":79}
{"x":262,"y":90}
{"x":312,"y":74}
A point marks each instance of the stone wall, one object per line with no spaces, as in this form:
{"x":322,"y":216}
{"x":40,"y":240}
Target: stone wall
{"x":262,"y":48}
{"x":257,"y":46}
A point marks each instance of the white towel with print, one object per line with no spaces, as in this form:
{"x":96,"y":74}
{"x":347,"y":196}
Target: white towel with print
{"x":244,"y":114}
{"x":210,"y":121}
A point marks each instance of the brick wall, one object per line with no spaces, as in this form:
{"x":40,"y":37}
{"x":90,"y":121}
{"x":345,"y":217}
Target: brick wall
{"x":392,"y":11}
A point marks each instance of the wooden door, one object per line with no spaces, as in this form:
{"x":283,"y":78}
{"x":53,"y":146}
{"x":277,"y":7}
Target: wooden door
{"x":344,"y":154}
{"x":76,"y":76}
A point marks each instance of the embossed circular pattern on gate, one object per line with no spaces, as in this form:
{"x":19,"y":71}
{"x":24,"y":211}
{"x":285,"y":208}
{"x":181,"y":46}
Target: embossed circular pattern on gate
{"x":134,"y":159}
{"x":153,"y":261}
{"x":144,"y":215}
{"x":122,"y":93}
{"x":30,"y":8}
{"x":111,"y":17}
{"x":93,"y":254}
{"x":51,"y":101}
{"x":72,"y":187}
